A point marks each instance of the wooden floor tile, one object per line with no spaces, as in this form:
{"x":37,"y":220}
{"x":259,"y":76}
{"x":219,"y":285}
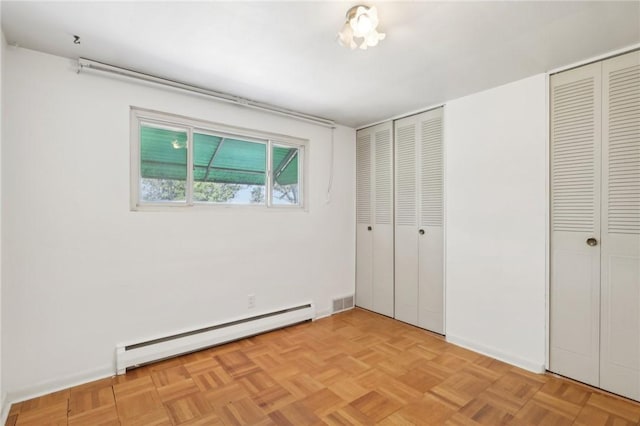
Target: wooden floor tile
{"x":486,"y":411}
{"x":546,"y":410}
{"x":346,"y":416}
{"x":353,"y":368}
{"x":273,"y":398}
{"x":512,"y":391}
{"x":45,"y":401}
{"x":102,"y":416}
{"x":302,"y":385}
{"x":48,"y":414}
{"x":188,"y":408}
{"x":323,"y":402}
{"x":615,"y":405}
{"x":419,"y":380}
{"x":177,"y":390}
{"x":154,"y":417}
{"x":241,"y":412}
{"x":426,"y":411}
{"x":375,"y":406}
{"x":460,"y":388}
{"x":236,"y":363}
{"x":294,"y":414}
{"x":223,"y":395}
{"x":90,"y":399}
{"x":348,"y":389}
{"x":593,"y":416}
{"x":139,"y":403}
{"x":208,"y":420}
{"x":212,"y":379}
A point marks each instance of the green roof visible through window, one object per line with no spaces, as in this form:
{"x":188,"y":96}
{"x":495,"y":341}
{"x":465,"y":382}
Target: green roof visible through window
{"x":228,"y":160}
{"x":285,"y":165}
{"x":187,"y":162}
{"x":163,"y":153}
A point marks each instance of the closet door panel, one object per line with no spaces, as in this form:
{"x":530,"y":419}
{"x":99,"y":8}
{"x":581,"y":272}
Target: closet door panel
{"x":430,"y":288}
{"x":383,"y":270}
{"x":575,"y":223}
{"x":430,"y":194}
{"x":620,"y":332}
{"x":574,"y":310}
{"x":364,"y":235}
{"x":406,"y":236}
{"x":364,"y":267}
{"x":383,"y":229}
{"x":407,"y":275}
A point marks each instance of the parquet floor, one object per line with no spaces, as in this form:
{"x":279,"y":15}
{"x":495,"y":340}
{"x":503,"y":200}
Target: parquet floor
{"x":352,"y":368}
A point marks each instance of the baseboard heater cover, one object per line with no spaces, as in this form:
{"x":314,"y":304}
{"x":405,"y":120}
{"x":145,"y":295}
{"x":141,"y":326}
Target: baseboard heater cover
{"x":131,"y":355}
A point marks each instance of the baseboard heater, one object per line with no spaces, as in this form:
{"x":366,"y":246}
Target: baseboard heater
{"x":136,"y":354}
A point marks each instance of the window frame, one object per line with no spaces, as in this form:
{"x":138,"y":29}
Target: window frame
{"x":140,"y":116}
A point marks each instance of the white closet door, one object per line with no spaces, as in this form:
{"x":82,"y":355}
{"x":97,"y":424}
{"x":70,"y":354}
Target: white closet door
{"x":575,"y":223}
{"x":364,"y":236}
{"x":383,"y":227}
{"x":430,"y":246}
{"x":406,"y":243}
{"x":620,"y":332}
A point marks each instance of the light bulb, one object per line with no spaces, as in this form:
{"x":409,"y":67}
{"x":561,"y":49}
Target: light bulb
{"x":363,"y":25}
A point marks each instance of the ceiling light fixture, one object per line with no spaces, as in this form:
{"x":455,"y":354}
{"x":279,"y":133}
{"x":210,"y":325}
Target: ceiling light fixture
{"x":360,"y":28}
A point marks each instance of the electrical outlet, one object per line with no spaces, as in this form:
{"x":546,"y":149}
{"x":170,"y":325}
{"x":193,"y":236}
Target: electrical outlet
{"x":252,"y":301}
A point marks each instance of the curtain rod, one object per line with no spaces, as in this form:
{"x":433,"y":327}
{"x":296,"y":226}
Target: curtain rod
{"x":88,"y":64}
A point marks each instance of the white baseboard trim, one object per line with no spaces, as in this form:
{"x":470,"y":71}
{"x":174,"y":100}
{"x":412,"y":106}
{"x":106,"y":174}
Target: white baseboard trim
{"x":50,"y":386}
{"x":526,"y":364}
{"x":328,"y":313}
{"x":323,"y":314}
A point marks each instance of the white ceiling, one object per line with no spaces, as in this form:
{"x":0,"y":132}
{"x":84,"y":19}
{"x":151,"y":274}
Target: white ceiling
{"x":285,"y":53}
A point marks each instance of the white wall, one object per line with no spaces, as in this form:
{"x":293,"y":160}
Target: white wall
{"x":82,"y":272}
{"x":3,"y":45}
{"x":496,"y":207}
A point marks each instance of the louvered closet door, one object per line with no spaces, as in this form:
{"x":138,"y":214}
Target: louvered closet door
{"x":406,"y":244}
{"x":430,"y":208}
{"x":383,"y":220}
{"x":364,"y":237}
{"x":374,"y":218}
{"x":419,"y":230}
{"x":620,"y":331}
{"x":575,"y":223}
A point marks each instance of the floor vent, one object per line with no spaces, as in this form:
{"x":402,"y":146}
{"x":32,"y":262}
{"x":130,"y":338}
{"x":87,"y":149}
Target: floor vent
{"x":342,"y":304}
{"x":133,"y":355}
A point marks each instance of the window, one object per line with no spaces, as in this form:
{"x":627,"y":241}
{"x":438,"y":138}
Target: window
{"x":183,"y":162}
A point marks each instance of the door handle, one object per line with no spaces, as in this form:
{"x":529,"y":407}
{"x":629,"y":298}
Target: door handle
{"x":369,"y":228}
{"x":421,"y":232}
{"x":592,"y":242}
